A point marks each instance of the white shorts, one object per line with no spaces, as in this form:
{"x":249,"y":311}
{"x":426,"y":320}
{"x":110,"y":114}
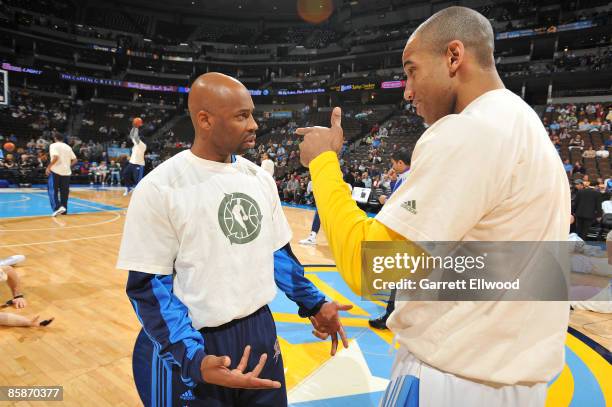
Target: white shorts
{"x":416,"y":384}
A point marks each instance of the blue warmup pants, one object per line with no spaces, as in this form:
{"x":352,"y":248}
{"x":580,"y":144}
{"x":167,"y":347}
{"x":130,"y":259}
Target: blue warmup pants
{"x":58,"y":188}
{"x":133,"y":175}
{"x":160,"y":386}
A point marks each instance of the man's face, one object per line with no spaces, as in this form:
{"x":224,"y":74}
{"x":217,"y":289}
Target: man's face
{"x":428,"y":81}
{"x":398,"y":166}
{"x":233,"y":124}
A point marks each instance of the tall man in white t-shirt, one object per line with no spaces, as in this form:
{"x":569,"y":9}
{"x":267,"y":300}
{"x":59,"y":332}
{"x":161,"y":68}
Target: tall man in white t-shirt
{"x":59,"y":170}
{"x":507,"y":183}
{"x":135,"y":167}
{"x":206,"y":242}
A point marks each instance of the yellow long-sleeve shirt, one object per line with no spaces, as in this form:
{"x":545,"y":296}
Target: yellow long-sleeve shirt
{"x":345,"y":225}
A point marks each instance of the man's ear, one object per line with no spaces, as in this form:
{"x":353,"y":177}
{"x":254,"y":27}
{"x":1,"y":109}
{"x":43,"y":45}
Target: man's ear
{"x":455,"y":53}
{"x":204,"y":120}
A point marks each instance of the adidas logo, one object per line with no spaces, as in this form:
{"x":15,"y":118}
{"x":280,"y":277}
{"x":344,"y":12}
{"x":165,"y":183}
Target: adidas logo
{"x":410,"y":206}
{"x":188,"y":395}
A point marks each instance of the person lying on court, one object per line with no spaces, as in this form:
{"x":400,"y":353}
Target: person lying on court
{"x":206,"y":241}
{"x":18,"y":301}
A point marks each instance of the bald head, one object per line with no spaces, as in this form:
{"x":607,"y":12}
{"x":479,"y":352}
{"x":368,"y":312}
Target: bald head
{"x":462,"y":24}
{"x":213,"y":91}
{"x":221,"y":110}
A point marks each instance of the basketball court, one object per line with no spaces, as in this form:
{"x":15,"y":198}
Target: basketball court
{"x":70,"y":274}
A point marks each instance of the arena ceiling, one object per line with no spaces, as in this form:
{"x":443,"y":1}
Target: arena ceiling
{"x":266,"y":9}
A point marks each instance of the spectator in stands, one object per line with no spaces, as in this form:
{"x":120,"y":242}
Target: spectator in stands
{"x":9,"y":162}
{"x":557,"y":143}
{"x":367,"y":181}
{"x":578,"y":168}
{"x":608,"y":142}
{"x":350,"y":177}
{"x":292,"y":188}
{"x":608,"y":184}
{"x":387,"y":179}
{"x":601,"y":186}
{"x":590,"y":109}
{"x":383,"y":132}
{"x":42,"y":143}
{"x":602,"y":152}
{"x":101,"y":173}
{"x":589,"y":153}
{"x":564,"y":134}
{"x":93,"y":170}
{"x":586,"y":181}
{"x":584,"y":125}
{"x":576,"y":142}
{"x":115,"y":173}
{"x":568,"y":166}
{"x":42,"y":159}
{"x":554,"y":126}
{"x":358,"y":180}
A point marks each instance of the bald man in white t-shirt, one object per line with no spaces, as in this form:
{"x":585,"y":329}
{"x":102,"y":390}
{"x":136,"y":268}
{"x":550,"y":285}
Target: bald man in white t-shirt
{"x":206,"y":244}
{"x":507,"y":183}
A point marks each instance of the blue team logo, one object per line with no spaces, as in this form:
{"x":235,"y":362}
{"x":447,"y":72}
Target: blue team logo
{"x":240,"y":218}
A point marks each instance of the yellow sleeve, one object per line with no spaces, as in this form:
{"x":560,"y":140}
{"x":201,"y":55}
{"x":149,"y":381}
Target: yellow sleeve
{"x":345,"y":225}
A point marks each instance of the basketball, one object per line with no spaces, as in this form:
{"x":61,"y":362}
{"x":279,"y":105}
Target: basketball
{"x":137,"y":122}
{"x":10,"y":147}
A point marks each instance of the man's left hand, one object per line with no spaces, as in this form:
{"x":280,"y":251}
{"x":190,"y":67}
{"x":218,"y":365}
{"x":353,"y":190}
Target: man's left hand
{"x":327,"y":323}
{"x":318,"y":140}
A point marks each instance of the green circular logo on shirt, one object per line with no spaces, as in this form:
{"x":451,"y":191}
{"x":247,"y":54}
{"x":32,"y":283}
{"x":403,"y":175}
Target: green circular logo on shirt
{"x":239,"y":218}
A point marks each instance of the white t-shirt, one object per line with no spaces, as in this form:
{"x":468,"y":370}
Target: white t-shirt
{"x":504,"y":181}
{"x":268,"y":165}
{"x":65,"y":155}
{"x":138,"y":153}
{"x":217,"y":225}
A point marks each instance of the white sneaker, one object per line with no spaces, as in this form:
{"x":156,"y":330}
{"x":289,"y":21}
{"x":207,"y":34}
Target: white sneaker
{"x":312,"y":241}
{"x":12,"y":260}
{"x":125,"y":193}
{"x":59,"y":211}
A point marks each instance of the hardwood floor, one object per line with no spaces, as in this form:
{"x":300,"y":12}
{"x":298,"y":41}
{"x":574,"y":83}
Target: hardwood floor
{"x":70,"y":274}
